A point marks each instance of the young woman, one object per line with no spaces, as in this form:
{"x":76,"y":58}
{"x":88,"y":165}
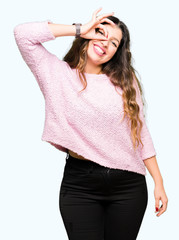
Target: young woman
{"x":94,"y":113}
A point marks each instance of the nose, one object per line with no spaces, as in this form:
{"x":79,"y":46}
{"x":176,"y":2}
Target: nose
{"x":105,"y":43}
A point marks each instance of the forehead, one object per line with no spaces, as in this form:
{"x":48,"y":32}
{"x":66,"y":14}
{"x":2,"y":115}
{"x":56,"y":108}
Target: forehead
{"x":114,"y":31}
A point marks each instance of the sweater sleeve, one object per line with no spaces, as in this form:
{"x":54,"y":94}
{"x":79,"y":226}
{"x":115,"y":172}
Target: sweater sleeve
{"x":29,"y":38}
{"x":148,"y":150}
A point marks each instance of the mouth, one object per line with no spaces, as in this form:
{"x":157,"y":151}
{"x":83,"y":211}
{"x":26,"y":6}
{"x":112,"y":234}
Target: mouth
{"x":100,"y":51}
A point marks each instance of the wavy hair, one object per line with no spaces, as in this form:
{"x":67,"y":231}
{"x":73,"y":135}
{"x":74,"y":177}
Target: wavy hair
{"x":121,"y":73}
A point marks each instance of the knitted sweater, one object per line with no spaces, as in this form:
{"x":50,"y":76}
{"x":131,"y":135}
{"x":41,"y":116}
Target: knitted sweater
{"x":88,"y":123}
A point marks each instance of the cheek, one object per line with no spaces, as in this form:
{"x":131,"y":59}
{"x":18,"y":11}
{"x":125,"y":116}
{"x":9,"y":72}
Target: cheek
{"x":90,"y":49}
{"x":112,"y":51}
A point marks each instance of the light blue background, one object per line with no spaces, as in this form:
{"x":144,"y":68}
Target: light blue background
{"x":31,"y":170}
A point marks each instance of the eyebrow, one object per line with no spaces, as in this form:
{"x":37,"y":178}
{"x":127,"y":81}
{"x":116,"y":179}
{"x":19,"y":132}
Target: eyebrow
{"x":116,"y":39}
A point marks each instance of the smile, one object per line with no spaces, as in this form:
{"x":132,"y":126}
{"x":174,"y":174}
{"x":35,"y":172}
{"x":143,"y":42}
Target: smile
{"x":98,"y":50}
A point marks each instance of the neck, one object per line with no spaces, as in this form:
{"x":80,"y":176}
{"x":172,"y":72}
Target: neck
{"x":94,"y":72}
{"x":90,"y":68}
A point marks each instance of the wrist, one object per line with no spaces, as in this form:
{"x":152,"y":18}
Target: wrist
{"x":78,"y":29}
{"x":158,"y":182}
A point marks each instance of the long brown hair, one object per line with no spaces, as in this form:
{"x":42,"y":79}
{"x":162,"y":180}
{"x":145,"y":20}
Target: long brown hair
{"x":120,"y":71}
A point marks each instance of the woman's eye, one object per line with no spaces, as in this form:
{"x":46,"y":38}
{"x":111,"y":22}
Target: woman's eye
{"x":100,"y":32}
{"x":103,"y":34}
{"x":114,"y":44}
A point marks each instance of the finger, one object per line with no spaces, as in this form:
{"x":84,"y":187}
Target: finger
{"x":104,"y":29}
{"x":162,"y":209}
{"x":108,"y":21}
{"x":105,"y":15}
{"x":156,"y":204}
{"x":96,"y":11}
{"x":164,"y":205}
{"x":100,"y":37}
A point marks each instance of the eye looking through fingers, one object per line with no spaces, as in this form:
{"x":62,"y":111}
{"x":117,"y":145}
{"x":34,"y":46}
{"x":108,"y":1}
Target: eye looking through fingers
{"x":97,"y":30}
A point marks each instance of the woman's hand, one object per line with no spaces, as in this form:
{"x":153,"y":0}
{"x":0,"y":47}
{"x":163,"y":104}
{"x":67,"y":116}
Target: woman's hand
{"x":88,"y":29}
{"x":160,"y":194}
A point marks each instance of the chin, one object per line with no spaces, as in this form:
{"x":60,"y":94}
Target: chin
{"x":94,"y":58}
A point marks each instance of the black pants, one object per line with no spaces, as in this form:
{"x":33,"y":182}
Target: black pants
{"x":100,"y":203}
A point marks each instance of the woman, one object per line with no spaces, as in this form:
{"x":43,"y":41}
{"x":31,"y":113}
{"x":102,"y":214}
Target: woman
{"x":103,"y":194}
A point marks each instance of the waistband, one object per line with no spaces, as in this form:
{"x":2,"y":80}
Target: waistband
{"x":82,"y":163}
{"x":89,"y":164}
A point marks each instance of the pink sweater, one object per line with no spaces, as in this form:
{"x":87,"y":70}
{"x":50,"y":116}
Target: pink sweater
{"x":88,"y":123}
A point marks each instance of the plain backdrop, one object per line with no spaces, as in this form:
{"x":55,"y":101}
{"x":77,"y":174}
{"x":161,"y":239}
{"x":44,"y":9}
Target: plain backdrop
{"x":31,"y":170}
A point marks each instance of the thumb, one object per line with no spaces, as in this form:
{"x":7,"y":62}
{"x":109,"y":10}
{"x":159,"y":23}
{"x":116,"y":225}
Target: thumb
{"x":101,"y":38}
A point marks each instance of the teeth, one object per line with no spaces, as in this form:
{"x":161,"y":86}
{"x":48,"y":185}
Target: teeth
{"x":99,"y":49}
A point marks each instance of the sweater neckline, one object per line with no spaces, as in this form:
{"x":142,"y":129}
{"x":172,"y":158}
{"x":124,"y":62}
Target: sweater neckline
{"x":96,"y":76}
{"x":93,"y":75}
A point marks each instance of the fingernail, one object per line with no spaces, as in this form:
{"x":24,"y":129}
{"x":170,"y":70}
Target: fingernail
{"x":156,"y":209}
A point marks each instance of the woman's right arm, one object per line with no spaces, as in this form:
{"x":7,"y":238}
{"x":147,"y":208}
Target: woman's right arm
{"x":59,"y":30}
{"x":29,"y":38}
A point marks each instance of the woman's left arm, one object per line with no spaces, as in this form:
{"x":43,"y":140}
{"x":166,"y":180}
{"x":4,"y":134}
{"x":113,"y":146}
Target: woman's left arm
{"x":159,"y":191}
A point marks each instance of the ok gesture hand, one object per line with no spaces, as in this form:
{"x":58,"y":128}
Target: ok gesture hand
{"x":88,"y":29}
